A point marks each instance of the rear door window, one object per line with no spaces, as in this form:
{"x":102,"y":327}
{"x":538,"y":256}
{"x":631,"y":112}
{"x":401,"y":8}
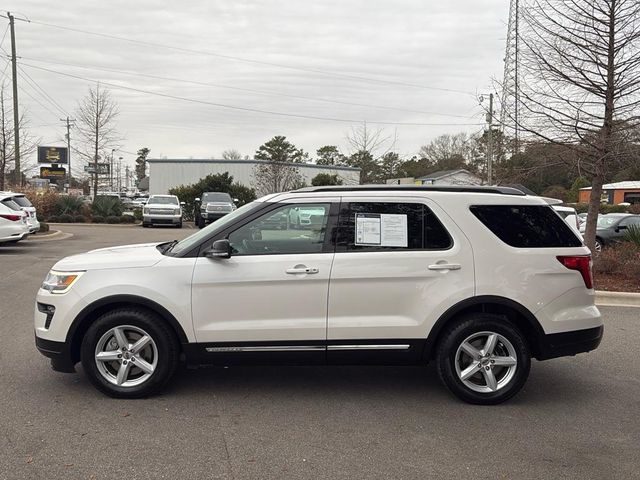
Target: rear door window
{"x":383,"y":226}
{"x":526,"y":226}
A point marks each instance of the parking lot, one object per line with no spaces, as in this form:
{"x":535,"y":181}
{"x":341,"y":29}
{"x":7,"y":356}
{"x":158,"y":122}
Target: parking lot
{"x":576,"y":417}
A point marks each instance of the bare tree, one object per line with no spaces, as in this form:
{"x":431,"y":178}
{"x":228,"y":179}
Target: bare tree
{"x":581,"y":82}
{"x":96,"y":115}
{"x":28,"y":144}
{"x":231,"y":154}
{"x":367,"y":146}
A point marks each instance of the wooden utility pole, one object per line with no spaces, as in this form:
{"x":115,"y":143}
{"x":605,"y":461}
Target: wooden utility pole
{"x":490,"y":142}
{"x":16,"y":117}
{"x":68,"y":122}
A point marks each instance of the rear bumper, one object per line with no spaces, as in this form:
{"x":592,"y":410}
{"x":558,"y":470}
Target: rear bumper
{"x":569,"y":343}
{"x":58,"y":353}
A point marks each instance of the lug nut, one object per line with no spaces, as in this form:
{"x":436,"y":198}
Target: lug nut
{"x":124,"y":362}
{"x":133,"y":359}
{"x":119,"y":355}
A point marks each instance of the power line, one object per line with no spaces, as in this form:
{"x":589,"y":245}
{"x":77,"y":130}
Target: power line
{"x":246,"y":109}
{"x":260,"y":92}
{"x":252,"y":61}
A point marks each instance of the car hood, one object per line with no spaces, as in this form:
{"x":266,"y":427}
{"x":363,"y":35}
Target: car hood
{"x":127,"y":256}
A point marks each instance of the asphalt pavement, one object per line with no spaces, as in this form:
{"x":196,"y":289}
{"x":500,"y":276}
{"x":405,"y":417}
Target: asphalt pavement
{"x":577,"y":418}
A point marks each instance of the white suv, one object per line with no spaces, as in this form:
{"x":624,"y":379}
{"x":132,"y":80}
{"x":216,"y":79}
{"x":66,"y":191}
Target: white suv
{"x":479,"y":279}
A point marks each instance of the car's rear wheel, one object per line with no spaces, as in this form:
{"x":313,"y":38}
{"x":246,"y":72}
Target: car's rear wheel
{"x":483,"y":359}
{"x":598,"y":245}
{"x":129,"y":353}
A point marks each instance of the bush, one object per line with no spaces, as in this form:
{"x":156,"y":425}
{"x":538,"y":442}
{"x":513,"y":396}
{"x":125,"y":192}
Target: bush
{"x":621,"y":259}
{"x":222,"y":182}
{"x":127,"y":219}
{"x":44,"y":227}
{"x":137,"y":214}
{"x":43,"y":200}
{"x":632,"y":235}
{"x":326,"y":179}
{"x":113,"y":219}
{"x":604,"y":208}
{"x":79,"y":219}
{"x":106,"y":206}
{"x":68,"y":205}
{"x":635,"y":209}
{"x":53,"y":219}
{"x":97,"y":219}
{"x":66,"y":218}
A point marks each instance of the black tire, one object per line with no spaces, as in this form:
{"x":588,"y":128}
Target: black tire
{"x":145,"y":225}
{"x":599,"y":245}
{"x":166,"y":344}
{"x":180,"y":224}
{"x":455,"y":336}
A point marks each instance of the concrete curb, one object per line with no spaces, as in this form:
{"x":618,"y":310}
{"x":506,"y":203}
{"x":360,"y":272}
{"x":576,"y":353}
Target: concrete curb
{"x":49,"y":237}
{"x":617,"y":299}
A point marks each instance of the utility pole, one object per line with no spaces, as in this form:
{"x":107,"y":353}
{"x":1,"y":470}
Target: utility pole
{"x":490,"y":142}
{"x":68,"y":122}
{"x":16,"y":117}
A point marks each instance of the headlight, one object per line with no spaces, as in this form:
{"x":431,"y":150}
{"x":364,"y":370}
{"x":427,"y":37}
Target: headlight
{"x":145,"y":211}
{"x":176,"y":211}
{"x":60,"y":282}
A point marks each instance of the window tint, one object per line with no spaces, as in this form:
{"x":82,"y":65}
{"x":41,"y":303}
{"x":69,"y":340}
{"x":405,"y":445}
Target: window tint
{"x":22,"y":201}
{"x":296,"y":228}
{"x":530,"y":226}
{"x":216,"y":197}
{"x":163,"y":200}
{"x":423,"y":229}
{"x":11,"y":204}
{"x":630,"y":221}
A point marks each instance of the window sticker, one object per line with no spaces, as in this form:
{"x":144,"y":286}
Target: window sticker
{"x":381,"y":229}
{"x":367,"y":229}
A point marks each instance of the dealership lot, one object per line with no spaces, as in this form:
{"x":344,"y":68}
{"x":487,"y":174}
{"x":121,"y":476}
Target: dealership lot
{"x":575,"y":418}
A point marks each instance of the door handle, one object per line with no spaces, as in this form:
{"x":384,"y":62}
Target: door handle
{"x":445,"y":266}
{"x":297,"y":270}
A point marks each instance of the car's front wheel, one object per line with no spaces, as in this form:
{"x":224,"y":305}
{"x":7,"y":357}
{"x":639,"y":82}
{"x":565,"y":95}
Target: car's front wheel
{"x":483,"y":359}
{"x":129,"y":353}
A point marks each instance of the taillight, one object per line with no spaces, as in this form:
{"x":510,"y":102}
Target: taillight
{"x":580,"y":263}
{"x":10,"y":216}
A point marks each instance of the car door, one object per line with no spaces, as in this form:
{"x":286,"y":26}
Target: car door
{"x":271,"y":294}
{"x":399,"y":265}
{"x":624,"y":226}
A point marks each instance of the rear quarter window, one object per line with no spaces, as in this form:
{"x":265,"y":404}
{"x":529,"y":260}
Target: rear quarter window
{"x":526,"y":226}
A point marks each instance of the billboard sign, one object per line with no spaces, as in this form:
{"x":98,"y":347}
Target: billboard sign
{"x":103,"y":168}
{"x":52,"y":173}
{"x":53,"y":155}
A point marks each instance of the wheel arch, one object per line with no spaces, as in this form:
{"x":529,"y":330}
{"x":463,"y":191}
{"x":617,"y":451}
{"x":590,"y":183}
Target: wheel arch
{"x":515,"y":312}
{"x":83,"y":320}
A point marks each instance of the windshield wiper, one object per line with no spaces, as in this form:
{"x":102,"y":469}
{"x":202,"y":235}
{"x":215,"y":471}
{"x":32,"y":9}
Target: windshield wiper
{"x":167,"y":246}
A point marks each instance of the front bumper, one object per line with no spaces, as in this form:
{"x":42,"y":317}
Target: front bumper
{"x":162,"y":219}
{"x":211,"y":216}
{"x":569,"y":343}
{"x":59,"y":354}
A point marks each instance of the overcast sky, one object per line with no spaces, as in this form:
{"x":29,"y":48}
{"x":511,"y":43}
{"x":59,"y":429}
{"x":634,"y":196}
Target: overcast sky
{"x":404,"y":55}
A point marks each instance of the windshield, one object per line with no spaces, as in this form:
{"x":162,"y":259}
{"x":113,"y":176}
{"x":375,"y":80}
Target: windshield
{"x":605,"y":221}
{"x":189,"y":242}
{"x":216,"y":197}
{"x":22,"y":201}
{"x":163,"y":201}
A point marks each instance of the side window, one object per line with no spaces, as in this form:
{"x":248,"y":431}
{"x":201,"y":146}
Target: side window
{"x":381,"y":226}
{"x":294,"y":228}
{"x":632,"y":221}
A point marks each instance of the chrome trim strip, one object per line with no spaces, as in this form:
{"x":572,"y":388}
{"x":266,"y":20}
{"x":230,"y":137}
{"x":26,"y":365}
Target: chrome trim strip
{"x":368,"y":347}
{"x":275,"y":348}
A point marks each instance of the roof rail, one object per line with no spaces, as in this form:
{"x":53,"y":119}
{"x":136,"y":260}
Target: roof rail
{"x":423,"y":188}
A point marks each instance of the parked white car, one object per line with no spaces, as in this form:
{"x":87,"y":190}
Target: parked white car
{"x":162,"y":210}
{"x":570,"y":216}
{"x":26,"y":206}
{"x":478,"y":279}
{"x":13,"y":222}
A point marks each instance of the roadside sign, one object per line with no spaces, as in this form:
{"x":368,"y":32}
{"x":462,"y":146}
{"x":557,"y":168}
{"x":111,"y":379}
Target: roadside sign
{"x":53,"y":155}
{"x":103,"y":168}
{"x":49,"y":172}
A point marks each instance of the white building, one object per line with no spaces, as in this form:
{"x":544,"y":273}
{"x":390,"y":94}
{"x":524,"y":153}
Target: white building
{"x":165,"y":174}
{"x":443,"y":177}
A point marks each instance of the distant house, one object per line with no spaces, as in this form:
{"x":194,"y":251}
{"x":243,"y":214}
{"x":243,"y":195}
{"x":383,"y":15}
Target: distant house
{"x":450,"y":177}
{"x":614,"y":193}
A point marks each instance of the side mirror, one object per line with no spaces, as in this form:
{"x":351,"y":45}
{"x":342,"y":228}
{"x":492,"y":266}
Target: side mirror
{"x":197,"y":199}
{"x":236,"y":199}
{"x":219,"y":249}
{"x":621,"y":227}
{"x":182,"y":203}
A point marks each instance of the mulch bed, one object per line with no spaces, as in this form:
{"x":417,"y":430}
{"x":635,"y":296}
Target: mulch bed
{"x":616,"y":283}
